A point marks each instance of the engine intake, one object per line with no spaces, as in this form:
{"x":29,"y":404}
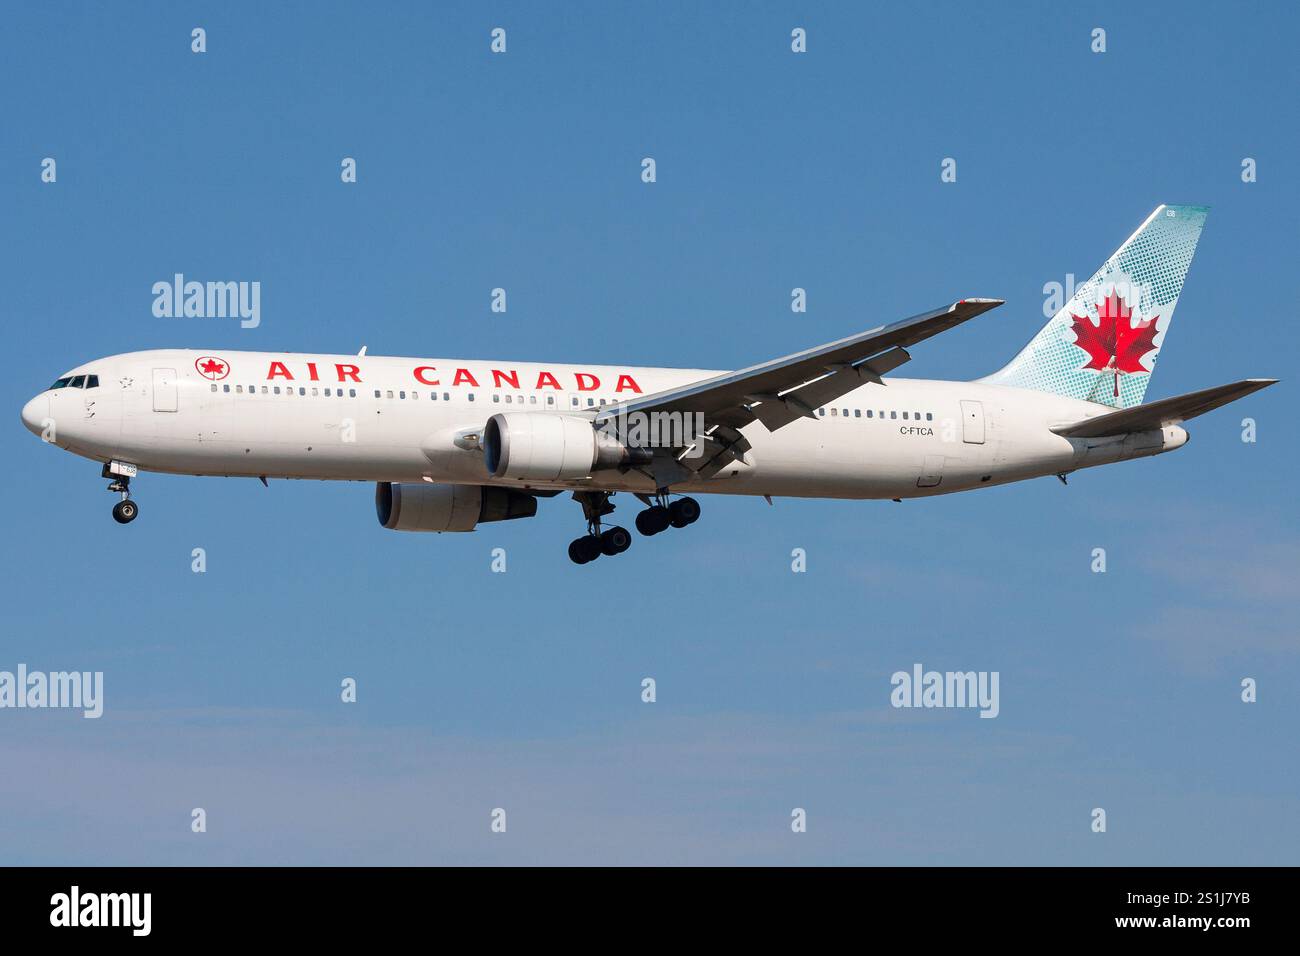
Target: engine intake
{"x":541,"y":446}
{"x":435,"y":507}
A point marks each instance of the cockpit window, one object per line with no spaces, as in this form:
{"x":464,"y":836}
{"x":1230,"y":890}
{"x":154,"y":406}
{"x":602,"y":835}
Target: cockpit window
{"x":77,"y":381}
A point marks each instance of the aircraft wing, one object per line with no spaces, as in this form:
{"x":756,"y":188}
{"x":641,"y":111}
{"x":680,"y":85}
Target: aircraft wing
{"x":793,"y":386}
{"x":1167,"y":411}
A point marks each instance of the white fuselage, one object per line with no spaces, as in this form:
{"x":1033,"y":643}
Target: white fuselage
{"x":373,"y":418}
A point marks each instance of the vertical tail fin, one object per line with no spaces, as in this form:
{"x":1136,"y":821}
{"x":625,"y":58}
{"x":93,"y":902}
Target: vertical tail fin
{"x":1102,"y":344}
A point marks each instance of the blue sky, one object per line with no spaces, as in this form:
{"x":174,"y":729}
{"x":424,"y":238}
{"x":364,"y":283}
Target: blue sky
{"x":522,"y":690}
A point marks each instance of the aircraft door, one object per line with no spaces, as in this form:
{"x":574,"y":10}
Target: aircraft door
{"x":164,"y":390}
{"x":972,"y":422}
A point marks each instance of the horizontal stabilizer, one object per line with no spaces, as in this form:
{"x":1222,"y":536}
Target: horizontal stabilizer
{"x":1167,"y":411}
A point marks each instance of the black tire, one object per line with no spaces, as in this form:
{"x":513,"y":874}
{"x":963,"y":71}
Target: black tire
{"x":652,"y":521}
{"x":124,"y":511}
{"x":577,"y":553}
{"x":615,"y":541}
{"x":684,"y":511}
{"x":589,"y":546}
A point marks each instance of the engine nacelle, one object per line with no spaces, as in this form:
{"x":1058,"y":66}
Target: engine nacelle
{"x":430,"y":507}
{"x":542,"y":446}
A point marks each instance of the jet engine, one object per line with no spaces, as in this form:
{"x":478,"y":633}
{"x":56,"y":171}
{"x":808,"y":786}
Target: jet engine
{"x":433,"y":507}
{"x":540,"y":446}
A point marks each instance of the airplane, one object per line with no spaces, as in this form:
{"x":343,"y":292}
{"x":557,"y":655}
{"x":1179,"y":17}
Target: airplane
{"x":451,"y":443}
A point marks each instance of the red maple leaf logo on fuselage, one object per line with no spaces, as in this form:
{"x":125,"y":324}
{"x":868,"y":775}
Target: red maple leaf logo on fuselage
{"x":211,"y":367}
{"x":1115,"y":344}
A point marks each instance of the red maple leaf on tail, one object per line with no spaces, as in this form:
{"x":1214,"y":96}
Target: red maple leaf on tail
{"x":1115,"y":344}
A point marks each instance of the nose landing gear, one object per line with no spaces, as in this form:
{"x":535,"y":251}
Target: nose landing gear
{"x":124,"y":511}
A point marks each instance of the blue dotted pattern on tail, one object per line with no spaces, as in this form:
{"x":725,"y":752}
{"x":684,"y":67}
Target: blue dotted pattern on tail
{"x":1147,"y":272}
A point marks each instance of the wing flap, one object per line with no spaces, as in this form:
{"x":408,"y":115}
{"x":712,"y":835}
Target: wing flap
{"x":775,"y":411}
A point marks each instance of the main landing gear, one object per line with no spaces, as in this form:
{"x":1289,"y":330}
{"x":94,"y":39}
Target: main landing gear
{"x":610,"y":541}
{"x":659,"y":516}
{"x":124,"y":511}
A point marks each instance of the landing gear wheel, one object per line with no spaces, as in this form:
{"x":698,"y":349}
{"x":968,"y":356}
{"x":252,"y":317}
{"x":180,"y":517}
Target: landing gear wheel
{"x":653,"y":520}
{"x":615,"y":541}
{"x":124,"y":511}
{"x":683,"y":511}
{"x":585,"y":549}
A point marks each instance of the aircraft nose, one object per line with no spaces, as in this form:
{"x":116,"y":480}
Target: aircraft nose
{"x":35,"y":413}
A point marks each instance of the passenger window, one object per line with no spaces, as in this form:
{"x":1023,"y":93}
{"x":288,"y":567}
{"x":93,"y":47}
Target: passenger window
{"x":239,"y":389}
{"x":401,"y":395}
{"x":277,"y":389}
{"x":845,"y":412}
{"x":550,"y":399}
{"x":214,"y":386}
{"x":225,"y":388}
{"x":590,"y":402}
{"x":868,"y":413}
{"x":929,"y":416}
{"x":821,"y":412}
{"x":904,"y":416}
{"x":916,"y":415}
{"x":833,"y":412}
{"x":893,"y":414}
{"x":857,"y":413}
{"x":264,"y":390}
{"x":471,"y":396}
{"x":446,"y":396}
{"x":376,"y":393}
{"x":575,"y":401}
{"x":352,"y":393}
{"x":532,"y":399}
